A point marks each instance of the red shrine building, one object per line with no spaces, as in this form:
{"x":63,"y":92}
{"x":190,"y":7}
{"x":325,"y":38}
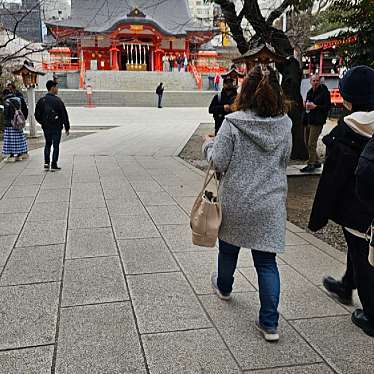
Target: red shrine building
{"x":124,"y":35}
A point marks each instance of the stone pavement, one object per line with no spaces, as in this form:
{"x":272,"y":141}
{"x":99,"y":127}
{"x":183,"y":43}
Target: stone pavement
{"x":98,"y":273}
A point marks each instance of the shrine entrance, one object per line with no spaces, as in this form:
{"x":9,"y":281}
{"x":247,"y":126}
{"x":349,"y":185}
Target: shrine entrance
{"x":136,"y":56}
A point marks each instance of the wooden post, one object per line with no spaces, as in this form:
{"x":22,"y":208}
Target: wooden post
{"x":31,"y":105}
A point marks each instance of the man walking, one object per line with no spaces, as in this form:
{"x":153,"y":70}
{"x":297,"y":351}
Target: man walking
{"x":221,"y":104}
{"x":159,"y":93}
{"x":51,"y":113}
{"x":317,"y":106}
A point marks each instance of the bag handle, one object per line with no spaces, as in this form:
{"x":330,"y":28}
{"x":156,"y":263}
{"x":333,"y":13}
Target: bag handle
{"x":208,"y":178}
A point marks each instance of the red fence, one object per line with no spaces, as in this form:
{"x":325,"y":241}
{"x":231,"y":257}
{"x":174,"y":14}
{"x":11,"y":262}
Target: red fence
{"x":197,"y":76}
{"x":60,"y":66}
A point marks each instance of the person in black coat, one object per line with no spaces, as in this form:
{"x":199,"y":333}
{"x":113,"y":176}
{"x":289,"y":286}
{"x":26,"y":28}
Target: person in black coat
{"x":317,"y":107}
{"x":222,"y":102}
{"x":12,"y":87}
{"x":159,"y":92}
{"x":15,"y":143}
{"x":336,"y":197}
{"x":51,"y":113}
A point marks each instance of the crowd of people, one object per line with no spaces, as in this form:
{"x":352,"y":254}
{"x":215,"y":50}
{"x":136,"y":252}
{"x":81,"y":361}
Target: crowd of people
{"x":250,"y":151}
{"x":171,"y":61}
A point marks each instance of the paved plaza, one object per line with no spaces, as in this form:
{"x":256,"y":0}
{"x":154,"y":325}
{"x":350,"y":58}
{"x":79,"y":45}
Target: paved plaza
{"x":98,"y":274}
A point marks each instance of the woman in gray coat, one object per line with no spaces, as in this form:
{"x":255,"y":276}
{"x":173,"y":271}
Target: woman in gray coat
{"x":252,"y":150}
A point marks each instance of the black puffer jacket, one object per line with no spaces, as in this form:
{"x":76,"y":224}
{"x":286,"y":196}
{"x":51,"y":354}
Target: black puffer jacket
{"x":336,"y":197}
{"x":322,"y":98}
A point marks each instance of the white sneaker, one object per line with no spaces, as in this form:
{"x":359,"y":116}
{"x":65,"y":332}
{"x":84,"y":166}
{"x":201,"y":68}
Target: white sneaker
{"x":222,"y":296}
{"x":269,"y":335}
{"x":11,"y":159}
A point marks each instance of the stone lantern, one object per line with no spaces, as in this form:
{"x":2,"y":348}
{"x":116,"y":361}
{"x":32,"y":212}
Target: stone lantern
{"x":30,"y":79}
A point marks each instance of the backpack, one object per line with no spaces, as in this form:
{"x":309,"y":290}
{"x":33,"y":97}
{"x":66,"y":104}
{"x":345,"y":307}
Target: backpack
{"x":365,"y":175}
{"x":18,"y":121}
{"x":50,"y":116}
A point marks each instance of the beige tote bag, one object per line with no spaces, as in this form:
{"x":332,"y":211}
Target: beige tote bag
{"x":206,"y":214}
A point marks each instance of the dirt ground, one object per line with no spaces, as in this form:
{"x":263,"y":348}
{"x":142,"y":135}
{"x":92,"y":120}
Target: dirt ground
{"x":301,"y":190}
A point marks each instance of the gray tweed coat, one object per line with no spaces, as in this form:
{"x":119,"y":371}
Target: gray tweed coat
{"x":253,"y":153}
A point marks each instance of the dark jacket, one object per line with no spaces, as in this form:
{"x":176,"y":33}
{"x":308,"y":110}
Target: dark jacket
{"x":321,"y":97}
{"x":365,"y":176}
{"x":11,"y":104}
{"x":160,"y":90}
{"x":52,"y":104}
{"x":336,"y":197}
{"x":216,"y":107}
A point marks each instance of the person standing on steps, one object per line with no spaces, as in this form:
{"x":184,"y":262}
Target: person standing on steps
{"x":337,"y":197}
{"x":185,"y":63}
{"x":171,"y":62}
{"x":165,"y":63}
{"x":179,"y":62}
{"x":159,"y":93}
{"x":222,"y":102}
{"x":251,"y":151}
{"x":317,"y":107}
{"x":51,"y":113}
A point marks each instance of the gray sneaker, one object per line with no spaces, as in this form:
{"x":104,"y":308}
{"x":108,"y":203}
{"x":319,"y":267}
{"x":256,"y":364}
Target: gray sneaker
{"x":269,"y":335}
{"x":221,"y":295}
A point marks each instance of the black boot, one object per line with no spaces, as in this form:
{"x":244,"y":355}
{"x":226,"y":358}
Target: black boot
{"x":360,"y":320}
{"x":337,"y":288}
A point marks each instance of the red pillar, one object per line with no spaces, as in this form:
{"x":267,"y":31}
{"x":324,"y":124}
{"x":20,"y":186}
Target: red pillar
{"x":158,"y":56}
{"x":321,"y":63}
{"x":158,"y":59}
{"x":114,"y":57}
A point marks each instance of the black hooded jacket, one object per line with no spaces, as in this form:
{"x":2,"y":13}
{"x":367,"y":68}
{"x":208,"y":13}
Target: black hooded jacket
{"x":336,"y":197}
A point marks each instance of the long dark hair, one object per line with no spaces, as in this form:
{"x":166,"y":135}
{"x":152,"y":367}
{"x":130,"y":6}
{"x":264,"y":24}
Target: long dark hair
{"x":261,"y":93}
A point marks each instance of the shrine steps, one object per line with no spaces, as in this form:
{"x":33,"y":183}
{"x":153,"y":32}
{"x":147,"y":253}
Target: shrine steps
{"x":140,"y":81}
{"x":115,"y":98}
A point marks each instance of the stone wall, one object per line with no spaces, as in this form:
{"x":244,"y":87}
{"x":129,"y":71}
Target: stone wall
{"x":135,"y":98}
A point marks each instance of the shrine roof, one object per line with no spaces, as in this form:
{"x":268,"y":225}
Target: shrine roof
{"x":171,"y":17}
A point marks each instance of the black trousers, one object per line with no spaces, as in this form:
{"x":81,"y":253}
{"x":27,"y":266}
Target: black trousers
{"x":52,"y":137}
{"x":348,"y":279}
{"x":361,"y":271}
{"x":159,"y":100}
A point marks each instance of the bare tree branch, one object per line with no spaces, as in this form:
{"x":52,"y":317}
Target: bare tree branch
{"x":276,"y":13}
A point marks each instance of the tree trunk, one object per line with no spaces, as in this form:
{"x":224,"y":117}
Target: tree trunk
{"x":290,"y":70}
{"x":291,"y":82}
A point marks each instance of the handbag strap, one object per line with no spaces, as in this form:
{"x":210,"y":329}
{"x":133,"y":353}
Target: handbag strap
{"x":209,"y":177}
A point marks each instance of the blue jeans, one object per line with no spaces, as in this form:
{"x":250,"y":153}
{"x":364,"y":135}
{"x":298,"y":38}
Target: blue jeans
{"x":268,"y":280}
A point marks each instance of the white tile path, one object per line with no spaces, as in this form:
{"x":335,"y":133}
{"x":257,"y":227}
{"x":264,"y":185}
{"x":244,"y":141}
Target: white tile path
{"x":98,"y":273}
